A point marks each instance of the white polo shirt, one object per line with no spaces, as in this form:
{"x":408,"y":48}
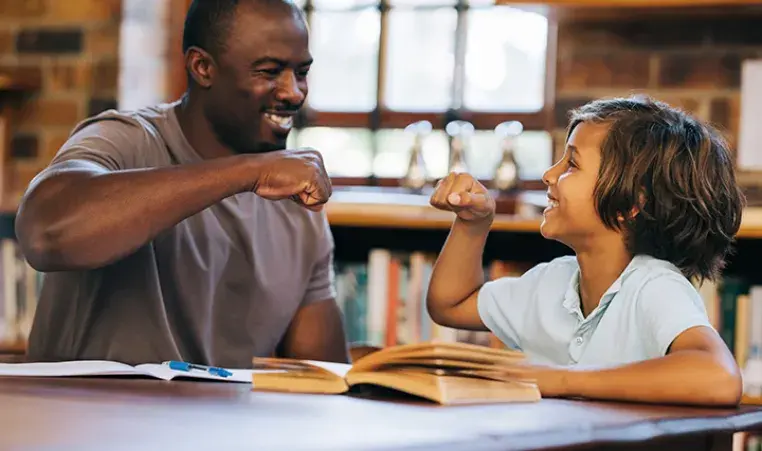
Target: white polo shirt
{"x":639,"y":316}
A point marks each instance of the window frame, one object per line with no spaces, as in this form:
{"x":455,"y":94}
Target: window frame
{"x":385,"y":118}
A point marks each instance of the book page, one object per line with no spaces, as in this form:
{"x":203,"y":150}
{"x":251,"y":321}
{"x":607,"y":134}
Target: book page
{"x":71,"y":368}
{"x":339,"y":369}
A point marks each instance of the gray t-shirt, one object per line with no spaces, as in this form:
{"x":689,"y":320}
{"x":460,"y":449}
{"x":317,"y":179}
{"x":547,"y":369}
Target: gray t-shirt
{"x":218,"y":288}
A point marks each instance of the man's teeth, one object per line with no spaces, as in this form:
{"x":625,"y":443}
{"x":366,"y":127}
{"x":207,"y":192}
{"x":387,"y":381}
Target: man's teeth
{"x":283,"y":121}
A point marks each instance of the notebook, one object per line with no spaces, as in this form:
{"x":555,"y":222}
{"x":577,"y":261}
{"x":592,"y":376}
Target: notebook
{"x":166,"y":371}
{"x":445,"y":373}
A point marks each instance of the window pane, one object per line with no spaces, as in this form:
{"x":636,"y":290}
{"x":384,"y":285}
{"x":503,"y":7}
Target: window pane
{"x":342,"y":4}
{"x":299,"y":3}
{"x":345,"y":48}
{"x":347,"y":152}
{"x":394,"y":153}
{"x":534,"y":153}
{"x":421,"y":58}
{"x":505,"y":60}
{"x":423,"y":2}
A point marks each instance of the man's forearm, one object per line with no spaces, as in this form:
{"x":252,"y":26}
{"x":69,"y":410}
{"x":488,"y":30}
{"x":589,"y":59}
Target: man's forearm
{"x":685,"y":377}
{"x":80,"y":219}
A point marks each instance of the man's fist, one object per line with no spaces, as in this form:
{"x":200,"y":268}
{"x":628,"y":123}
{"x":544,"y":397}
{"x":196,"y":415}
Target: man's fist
{"x":465,"y":196}
{"x":298,"y":175}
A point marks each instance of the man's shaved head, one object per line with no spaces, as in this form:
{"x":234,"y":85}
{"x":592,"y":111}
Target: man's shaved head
{"x":208,"y":21}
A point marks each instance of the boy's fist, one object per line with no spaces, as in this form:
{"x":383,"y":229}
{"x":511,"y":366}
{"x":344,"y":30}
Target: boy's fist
{"x":464,"y":195}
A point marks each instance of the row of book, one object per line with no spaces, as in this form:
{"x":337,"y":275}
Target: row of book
{"x":19,"y":287}
{"x":734,"y":307}
{"x":384,"y":300}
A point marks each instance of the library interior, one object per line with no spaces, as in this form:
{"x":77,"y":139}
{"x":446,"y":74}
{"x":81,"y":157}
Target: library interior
{"x":118,"y":222}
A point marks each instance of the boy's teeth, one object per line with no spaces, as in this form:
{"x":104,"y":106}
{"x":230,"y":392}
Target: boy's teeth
{"x":553,"y":203}
{"x":283,"y":121}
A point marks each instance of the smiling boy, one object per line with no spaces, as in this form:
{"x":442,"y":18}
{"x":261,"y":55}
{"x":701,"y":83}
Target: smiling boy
{"x":184,"y":231}
{"x":646,"y":197}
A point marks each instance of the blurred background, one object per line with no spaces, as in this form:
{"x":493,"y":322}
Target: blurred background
{"x":401,"y":92}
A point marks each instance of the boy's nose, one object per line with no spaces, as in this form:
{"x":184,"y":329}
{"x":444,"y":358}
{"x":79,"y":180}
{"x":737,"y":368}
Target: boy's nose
{"x":549,"y":177}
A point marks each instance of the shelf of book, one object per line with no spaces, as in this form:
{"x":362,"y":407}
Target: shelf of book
{"x":412,"y":211}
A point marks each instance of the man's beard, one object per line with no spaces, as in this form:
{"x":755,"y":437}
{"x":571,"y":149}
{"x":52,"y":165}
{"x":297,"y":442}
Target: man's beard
{"x":234,"y":138}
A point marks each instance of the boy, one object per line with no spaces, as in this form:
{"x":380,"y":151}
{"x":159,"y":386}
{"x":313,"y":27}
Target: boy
{"x":646,"y":197}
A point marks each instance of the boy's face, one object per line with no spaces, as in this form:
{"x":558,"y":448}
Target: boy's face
{"x":571,"y":216}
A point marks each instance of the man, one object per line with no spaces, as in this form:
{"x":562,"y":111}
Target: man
{"x":181,"y":231}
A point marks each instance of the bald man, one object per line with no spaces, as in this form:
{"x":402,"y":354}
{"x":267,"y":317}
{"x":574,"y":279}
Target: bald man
{"x":186,"y":231}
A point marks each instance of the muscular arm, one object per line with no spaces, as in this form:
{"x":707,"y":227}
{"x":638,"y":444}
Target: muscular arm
{"x":78,"y":215}
{"x":316,"y":333}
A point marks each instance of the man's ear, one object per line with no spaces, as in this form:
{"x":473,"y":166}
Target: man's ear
{"x":201,"y":66}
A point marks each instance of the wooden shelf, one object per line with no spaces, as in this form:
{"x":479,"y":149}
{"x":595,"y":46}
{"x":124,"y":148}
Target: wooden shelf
{"x":412,"y":211}
{"x":18,"y":347}
{"x":630,"y":3}
{"x":12,"y":83}
{"x":755,"y":400}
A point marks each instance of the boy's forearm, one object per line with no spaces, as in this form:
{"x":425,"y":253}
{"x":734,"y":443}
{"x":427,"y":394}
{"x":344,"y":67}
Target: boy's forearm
{"x":684,"y":377}
{"x":458,"y":271}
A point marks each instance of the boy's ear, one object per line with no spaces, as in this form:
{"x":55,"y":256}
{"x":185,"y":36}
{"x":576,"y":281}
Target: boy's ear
{"x":634,"y":210}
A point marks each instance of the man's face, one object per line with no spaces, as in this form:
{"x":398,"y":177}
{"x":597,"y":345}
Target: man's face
{"x":261,"y":79}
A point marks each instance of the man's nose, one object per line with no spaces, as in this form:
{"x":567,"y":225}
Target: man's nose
{"x":288,"y":89}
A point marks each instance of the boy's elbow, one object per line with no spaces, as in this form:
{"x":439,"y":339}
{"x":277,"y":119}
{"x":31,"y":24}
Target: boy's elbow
{"x":730,"y":391}
{"x":726,"y":389}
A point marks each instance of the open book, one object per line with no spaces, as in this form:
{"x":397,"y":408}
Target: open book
{"x":108,"y":368}
{"x":446,"y":373}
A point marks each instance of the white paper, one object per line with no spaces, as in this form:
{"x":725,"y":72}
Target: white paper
{"x":108,"y":368}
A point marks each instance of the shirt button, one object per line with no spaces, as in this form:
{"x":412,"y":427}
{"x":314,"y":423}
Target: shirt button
{"x":578,"y":340}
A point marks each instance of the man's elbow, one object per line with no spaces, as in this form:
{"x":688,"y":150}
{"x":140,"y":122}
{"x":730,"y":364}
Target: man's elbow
{"x":41,"y":247}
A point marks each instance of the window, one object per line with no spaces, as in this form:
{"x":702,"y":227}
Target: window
{"x":380,"y":66}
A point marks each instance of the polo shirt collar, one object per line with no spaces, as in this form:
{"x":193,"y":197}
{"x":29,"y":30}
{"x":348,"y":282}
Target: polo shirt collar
{"x":572,"y":301}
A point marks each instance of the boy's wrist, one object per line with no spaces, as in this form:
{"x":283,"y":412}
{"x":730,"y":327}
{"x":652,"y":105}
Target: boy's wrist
{"x":481,"y":225}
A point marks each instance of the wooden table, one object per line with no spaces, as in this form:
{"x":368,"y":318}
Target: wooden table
{"x":103,"y":413}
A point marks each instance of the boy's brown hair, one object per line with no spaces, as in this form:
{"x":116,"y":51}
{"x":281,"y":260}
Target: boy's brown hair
{"x":679,"y":174}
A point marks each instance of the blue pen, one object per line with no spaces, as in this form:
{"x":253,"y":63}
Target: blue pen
{"x":184,"y":366}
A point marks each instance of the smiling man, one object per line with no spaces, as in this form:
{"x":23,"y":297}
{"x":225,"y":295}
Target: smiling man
{"x":185,"y":231}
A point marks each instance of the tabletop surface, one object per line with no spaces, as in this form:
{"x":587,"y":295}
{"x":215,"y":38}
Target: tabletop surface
{"x":121,"y":413}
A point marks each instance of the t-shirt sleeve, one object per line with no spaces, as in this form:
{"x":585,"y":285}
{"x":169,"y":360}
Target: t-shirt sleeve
{"x":502,"y":304}
{"x":668,"y":306}
{"x":109,"y":142}
{"x":321,"y":285}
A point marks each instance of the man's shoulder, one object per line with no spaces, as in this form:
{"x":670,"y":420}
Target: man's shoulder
{"x":147,"y":119}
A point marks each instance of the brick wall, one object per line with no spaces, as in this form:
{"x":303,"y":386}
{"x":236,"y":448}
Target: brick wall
{"x":71,"y":47}
{"x":691,"y":62}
